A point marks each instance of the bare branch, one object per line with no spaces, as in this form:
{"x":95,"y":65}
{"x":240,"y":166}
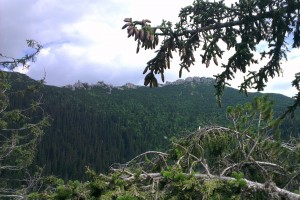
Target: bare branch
{"x":250,"y":184}
{"x":146,"y":153}
{"x":268,"y":164}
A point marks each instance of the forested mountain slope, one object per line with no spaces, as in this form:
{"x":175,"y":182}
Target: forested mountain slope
{"x":98,"y":125}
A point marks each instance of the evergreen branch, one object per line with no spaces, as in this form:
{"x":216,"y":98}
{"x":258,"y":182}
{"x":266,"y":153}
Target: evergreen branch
{"x":218,"y":25}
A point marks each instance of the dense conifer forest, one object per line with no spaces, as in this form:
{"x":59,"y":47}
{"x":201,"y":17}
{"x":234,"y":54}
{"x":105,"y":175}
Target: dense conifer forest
{"x":171,"y":141}
{"x":98,"y":126}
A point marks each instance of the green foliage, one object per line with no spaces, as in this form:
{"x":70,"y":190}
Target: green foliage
{"x":98,"y":185}
{"x":210,"y":150}
{"x":127,"y":197}
{"x":62,"y":193}
{"x":174,"y":174}
{"x":217,"y":190}
{"x":56,"y":189}
{"x":11,"y":63}
{"x":242,"y":27}
{"x":21,"y":127}
{"x":125,"y":123}
{"x":239,"y":182}
{"x":212,"y":163}
{"x":261,"y":109}
{"x":209,"y":187}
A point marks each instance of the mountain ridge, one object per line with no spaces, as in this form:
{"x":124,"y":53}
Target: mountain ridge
{"x":84,"y":85}
{"x":98,"y":126}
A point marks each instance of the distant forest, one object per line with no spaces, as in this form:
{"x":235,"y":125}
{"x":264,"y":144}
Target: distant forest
{"x":96,"y":126}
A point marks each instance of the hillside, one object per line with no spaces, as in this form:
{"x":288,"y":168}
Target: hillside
{"x":97,"y":125}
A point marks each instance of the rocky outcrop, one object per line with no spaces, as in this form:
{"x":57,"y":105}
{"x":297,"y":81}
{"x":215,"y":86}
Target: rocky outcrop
{"x":109,"y":87}
{"x":192,"y":80}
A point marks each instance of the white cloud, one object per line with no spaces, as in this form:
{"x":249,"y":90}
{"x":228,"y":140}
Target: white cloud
{"x":84,"y":41}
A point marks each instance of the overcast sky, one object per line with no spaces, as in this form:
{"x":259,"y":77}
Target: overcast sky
{"x":83,"y":41}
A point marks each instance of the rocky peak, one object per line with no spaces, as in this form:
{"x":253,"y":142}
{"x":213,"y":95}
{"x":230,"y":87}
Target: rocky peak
{"x":130,"y":86}
{"x":101,"y":84}
{"x":192,"y":80}
{"x":77,"y":85}
{"x":189,"y":80}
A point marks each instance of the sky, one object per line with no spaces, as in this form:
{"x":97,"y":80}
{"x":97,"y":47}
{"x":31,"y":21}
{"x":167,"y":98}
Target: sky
{"x":83,"y":40}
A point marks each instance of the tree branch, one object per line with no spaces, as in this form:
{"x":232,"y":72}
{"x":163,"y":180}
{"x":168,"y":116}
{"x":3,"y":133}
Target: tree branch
{"x":250,"y":184}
